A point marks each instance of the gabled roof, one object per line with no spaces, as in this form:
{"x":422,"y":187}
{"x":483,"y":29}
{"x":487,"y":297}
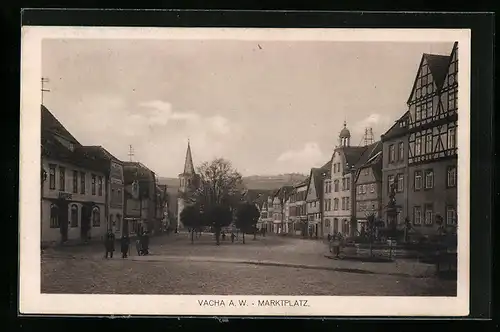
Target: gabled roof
{"x":317,"y":175}
{"x":305,"y":182}
{"x":99,"y":151}
{"x":283,"y":192}
{"x":396,"y":130}
{"x":370,"y":151}
{"x":438,"y":66}
{"x":136,"y":171}
{"x":50,"y":124}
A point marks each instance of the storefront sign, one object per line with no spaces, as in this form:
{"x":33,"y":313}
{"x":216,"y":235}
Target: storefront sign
{"x":65,"y":196}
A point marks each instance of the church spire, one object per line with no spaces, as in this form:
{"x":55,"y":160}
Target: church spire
{"x":188,"y":164}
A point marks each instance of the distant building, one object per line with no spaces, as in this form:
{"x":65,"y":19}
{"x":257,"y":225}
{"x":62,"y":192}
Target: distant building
{"x":73,"y":190}
{"x":140,"y":199}
{"x":368,"y":184}
{"x":298,"y":208}
{"x":395,"y":167}
{"x":314,"y":201}
{"x":344,"y":160}
{"x":188,"y":182}
{"x":279,"y":200}
{"x":432,"y":126}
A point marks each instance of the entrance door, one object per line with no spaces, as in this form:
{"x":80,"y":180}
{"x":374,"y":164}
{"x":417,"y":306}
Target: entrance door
{"x":63,"y":220}
{"x":85,"y":228}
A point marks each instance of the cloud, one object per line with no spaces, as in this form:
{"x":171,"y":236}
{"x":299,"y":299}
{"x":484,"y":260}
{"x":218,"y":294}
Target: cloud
{"x":376,"y":121}
{"x":302,"y":159}
{"x":161,"y":113}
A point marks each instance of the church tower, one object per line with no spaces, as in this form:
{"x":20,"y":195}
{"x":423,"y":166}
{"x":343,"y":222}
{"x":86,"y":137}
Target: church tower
{"x":345,"y":136}
{"x":187,"y":181}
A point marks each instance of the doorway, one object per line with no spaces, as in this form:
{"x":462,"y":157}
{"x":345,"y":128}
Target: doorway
{"x":85,"y":228}
{"x":63,"y":220}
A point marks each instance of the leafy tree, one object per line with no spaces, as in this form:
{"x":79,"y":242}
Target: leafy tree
{"x":217,"y":217}
{"x":247,"y":216}
{"x":219,"y":191}
{"x":191,"y":217}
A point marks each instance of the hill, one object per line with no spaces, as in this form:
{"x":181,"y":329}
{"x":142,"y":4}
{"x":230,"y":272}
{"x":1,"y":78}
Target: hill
{"x":257,"y":182}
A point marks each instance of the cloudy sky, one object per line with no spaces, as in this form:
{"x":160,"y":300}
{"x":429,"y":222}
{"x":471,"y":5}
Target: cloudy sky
{"x":270,"y":107}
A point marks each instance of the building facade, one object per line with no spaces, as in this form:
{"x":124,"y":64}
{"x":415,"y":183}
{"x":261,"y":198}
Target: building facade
{"x":298,"y":208}
{"x":368,"y":181}
{"x":344,"y":160}
{"x":314,"y":201}
{"x":139,"y":200}
{"x":432,"y":159}
{"x":395,"y":168}
{"x":73,"y":198}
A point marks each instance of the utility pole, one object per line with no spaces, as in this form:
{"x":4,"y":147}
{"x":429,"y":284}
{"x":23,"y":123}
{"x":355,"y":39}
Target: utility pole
{"x":130,"y":152}
{"x":43,"y":81}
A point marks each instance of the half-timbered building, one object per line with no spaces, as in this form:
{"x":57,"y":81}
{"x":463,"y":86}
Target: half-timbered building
{"x":432,"y":130}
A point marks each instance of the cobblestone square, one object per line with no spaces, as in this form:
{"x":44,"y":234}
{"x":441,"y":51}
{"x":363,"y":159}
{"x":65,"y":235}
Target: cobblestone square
{"x":266,"y":266}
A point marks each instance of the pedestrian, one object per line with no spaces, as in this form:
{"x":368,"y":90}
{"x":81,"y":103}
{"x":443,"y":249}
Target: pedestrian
{"x":145,"y":243}
{"x":223,"y":235}
{"x":336,"y":244}
{"x":109,"y":244}
{"x":329,"y":237}
{"x":125,"y":243}
{"x":232,"y":237}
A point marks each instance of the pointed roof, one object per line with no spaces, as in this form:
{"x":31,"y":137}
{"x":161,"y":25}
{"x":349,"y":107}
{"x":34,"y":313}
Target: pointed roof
{"x":50,"y":124}
{"x":188,"y":163}
{"x":438,"y":66}
{"x":316,"y":176}
{"x":397,"y":129}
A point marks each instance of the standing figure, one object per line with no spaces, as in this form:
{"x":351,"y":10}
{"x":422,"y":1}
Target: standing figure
{"x":109,"y":244}
{"x":232,"y":237}
{"x":125,"y":243}
{"x":145,"y":243}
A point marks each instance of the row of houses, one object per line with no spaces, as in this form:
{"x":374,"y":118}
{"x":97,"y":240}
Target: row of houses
{"x":86,"y":191}
{"x":414,"y":162}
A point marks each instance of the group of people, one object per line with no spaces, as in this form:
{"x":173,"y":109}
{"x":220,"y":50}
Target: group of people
{"x":142,"y":244}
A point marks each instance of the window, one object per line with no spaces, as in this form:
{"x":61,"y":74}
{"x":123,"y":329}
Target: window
{"x":452,"y":139}
{"x":418,"y":146}
{"x":343,"y":203}
{"x":118,"y":222}
{"x":392,"y":153}
{"x":74,"y":215}
{"x":451,"y":216}
{"x":359,"y":190}
{"x":336,"y":185}
{"x":429,"y":179}
{"x":329,"y":204}
{"x":400,"y":184}
{"x":417,"y":215}
{"x":54,"y":216}
{"x":367,"y":171}
{"x":96,"y":217}
{"x":93,"y":184}
{"x":100,"y":186}
{"x":335,"y":204}
{"x":451,"y":179}
{"x":401,"y":151}
{"x":427,"y":111}
{"x":62,"y":179}
{"x":348,"y":183}
{"x":343,"y":184}
{"x":418,"y":113}
{"x":372,"y":187}
{"x":334,"y":168}
{"x":75,"y":182}
{"x":452,"y":100}
{"x":327,"y":223}
{"x":390,"y":181}
{"x":52,"y":177}
{"x":428,"y":143}
{"x":82,"y":183}
{"x":363,"y":188}
{"x":347,"y":203}
{"x":418,"y":180}
{"x":428,"y":214}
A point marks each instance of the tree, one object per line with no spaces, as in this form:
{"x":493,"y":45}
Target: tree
{"x":191,"y":217}
{"x":219,"y":216}
{"x":219,"y":191}
{"x":247,"y":216}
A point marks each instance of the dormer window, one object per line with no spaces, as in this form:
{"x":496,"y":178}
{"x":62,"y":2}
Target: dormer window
{"x":71,"y":147}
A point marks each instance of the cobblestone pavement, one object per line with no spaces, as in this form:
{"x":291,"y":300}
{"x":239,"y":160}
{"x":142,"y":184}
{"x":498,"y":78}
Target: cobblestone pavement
{"x":270,"y":265}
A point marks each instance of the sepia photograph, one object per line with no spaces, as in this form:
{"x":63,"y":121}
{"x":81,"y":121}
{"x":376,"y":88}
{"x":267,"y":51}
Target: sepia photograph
{"x":260,"y":170}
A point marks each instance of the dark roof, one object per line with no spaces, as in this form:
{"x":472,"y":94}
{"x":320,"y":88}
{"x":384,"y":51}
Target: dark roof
{"x":50,"y":124}
{"x":396,"y":130}
{"x":438,"y":66}
{"x":302,"y":183}
{"x":136,"y":171}
{"x":352,"y":154}
{"x":284,"y":192}
{"x":256,"y":195}
{"x":99,"y":151}
{"x":369,"y":152}
{"x":317,"y":175}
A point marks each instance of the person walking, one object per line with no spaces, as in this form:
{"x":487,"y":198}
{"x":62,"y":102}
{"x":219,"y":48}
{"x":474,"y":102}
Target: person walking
{"x":125,"y":243}
{"x":109,"y":244}
{"x":232,"y":237}
{"x":145,"y":243}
